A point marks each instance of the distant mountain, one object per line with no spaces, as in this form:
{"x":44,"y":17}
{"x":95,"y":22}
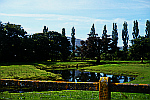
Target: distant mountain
{"x":77,"y":41}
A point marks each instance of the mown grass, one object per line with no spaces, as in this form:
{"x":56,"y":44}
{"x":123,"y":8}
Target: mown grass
{"x":62,"y":65}
{"x":36,"y":71}
{"x":138,"y":70}
{"x":26,"y":72}
{"x":72,"y":95}
{"x":29,"y":71}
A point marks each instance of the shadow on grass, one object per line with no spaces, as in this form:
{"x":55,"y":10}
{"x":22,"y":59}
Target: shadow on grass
{"x":48,"y":63}
{"x":41,"y":62}
{"x":27,"y":63}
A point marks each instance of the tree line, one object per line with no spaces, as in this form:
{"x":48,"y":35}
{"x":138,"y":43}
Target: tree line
{"x":105,"y":47}
{"x":16,"y":45}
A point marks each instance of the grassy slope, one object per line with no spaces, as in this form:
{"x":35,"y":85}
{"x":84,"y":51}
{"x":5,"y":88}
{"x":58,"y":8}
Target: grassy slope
{"x":142,"y":71}
{"x":32,"y":70}
{"x":26,"y":72}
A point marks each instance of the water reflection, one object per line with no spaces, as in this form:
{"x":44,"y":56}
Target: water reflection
{"x":80,"y":76}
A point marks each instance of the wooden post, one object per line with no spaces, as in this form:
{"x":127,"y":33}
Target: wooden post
{"x":104,"y":91}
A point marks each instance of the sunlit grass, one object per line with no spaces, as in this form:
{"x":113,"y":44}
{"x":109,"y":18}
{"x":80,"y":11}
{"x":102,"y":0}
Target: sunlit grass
{"x":72,"y":95}
{"x":140,"y":71}
{"x":124,"y":68}
{"x":26,"y":72}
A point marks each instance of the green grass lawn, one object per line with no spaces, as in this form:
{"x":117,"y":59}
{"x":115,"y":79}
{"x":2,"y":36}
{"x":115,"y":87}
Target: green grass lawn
{"x":32,"y":71}
{"x":61,"y":65}
{"x":138,"y":70}
{"x":71,"y":95}
{"x":26,"y":72}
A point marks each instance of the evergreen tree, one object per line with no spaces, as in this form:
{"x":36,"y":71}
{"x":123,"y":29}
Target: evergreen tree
{"x":114,"y":47}
{"x":93,"y":45}
{"x":105,"y":42}
{"x":92,"y":33}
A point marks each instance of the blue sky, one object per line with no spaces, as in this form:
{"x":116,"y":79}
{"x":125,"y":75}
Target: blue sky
{"x":33,"y":15}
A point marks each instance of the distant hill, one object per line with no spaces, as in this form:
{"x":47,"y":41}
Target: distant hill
{"x":77,"y":41}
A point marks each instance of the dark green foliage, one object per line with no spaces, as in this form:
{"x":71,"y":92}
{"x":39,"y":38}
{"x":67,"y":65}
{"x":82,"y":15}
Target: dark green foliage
{"x":114,"y":37}
{"x":135,"y":30}
{"x":114,"y":48}
{"x":73,"y":39}
{"x":115,"y":34}
{"x":106,"y":43}
{"x":63,"y":31}
{"x":10,"y":42}
{"x":92,"y":33}
{"x":147,"y":29}
{"x":140,"y":49}
{"x":93,"y":45}
{"x":52,"y":46}
{"x":125,"y":38}
{"x":105,"y":40}
{"x":15,"y":45}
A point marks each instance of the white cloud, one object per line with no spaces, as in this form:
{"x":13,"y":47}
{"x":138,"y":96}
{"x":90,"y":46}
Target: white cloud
{"x":70,"y":5}
{"x":68,"y":18}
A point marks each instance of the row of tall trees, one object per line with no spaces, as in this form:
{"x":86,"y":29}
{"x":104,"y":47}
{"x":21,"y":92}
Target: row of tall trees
{"x":16,"y":45}
{"x":140,"y":48}
{"x":106,"y":46}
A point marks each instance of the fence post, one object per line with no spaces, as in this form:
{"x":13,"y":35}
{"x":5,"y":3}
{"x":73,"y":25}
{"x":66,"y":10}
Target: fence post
{"x":104,"y":91}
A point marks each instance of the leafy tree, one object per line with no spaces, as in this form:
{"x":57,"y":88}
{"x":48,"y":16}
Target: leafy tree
{"x":73,"y":39}
{"x":105,"y":40}
{"x":140,"y":44}
{"x":92,"y":44}
{"x":41,"y":47}
{"x":64,"y":45}
{"x":92,"y":33}
{"x":135,"y":30}
{"x":59,"y":46}
{"x":105,"y":43}
{"x":63,"y":31}
{"x":147,"y":29}
{"x":11,"y":42}
{"x":115,"y":36}
{"x":91,"y":47}
{"x":140,"y":48}
{"x":28,"y":49}
{"x":125,"y":38}
{"x":82,"y":49}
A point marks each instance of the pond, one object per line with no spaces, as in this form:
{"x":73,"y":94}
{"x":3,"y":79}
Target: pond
{"x":83,"y":76}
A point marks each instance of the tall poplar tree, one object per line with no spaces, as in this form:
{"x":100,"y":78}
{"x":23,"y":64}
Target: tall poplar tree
{"x":125,"y":38}
{"x":147,"y":29}
{"x":73,"y":39}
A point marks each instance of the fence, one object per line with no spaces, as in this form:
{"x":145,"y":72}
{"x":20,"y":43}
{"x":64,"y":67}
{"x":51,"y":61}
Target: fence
{"x":103,"y":86}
